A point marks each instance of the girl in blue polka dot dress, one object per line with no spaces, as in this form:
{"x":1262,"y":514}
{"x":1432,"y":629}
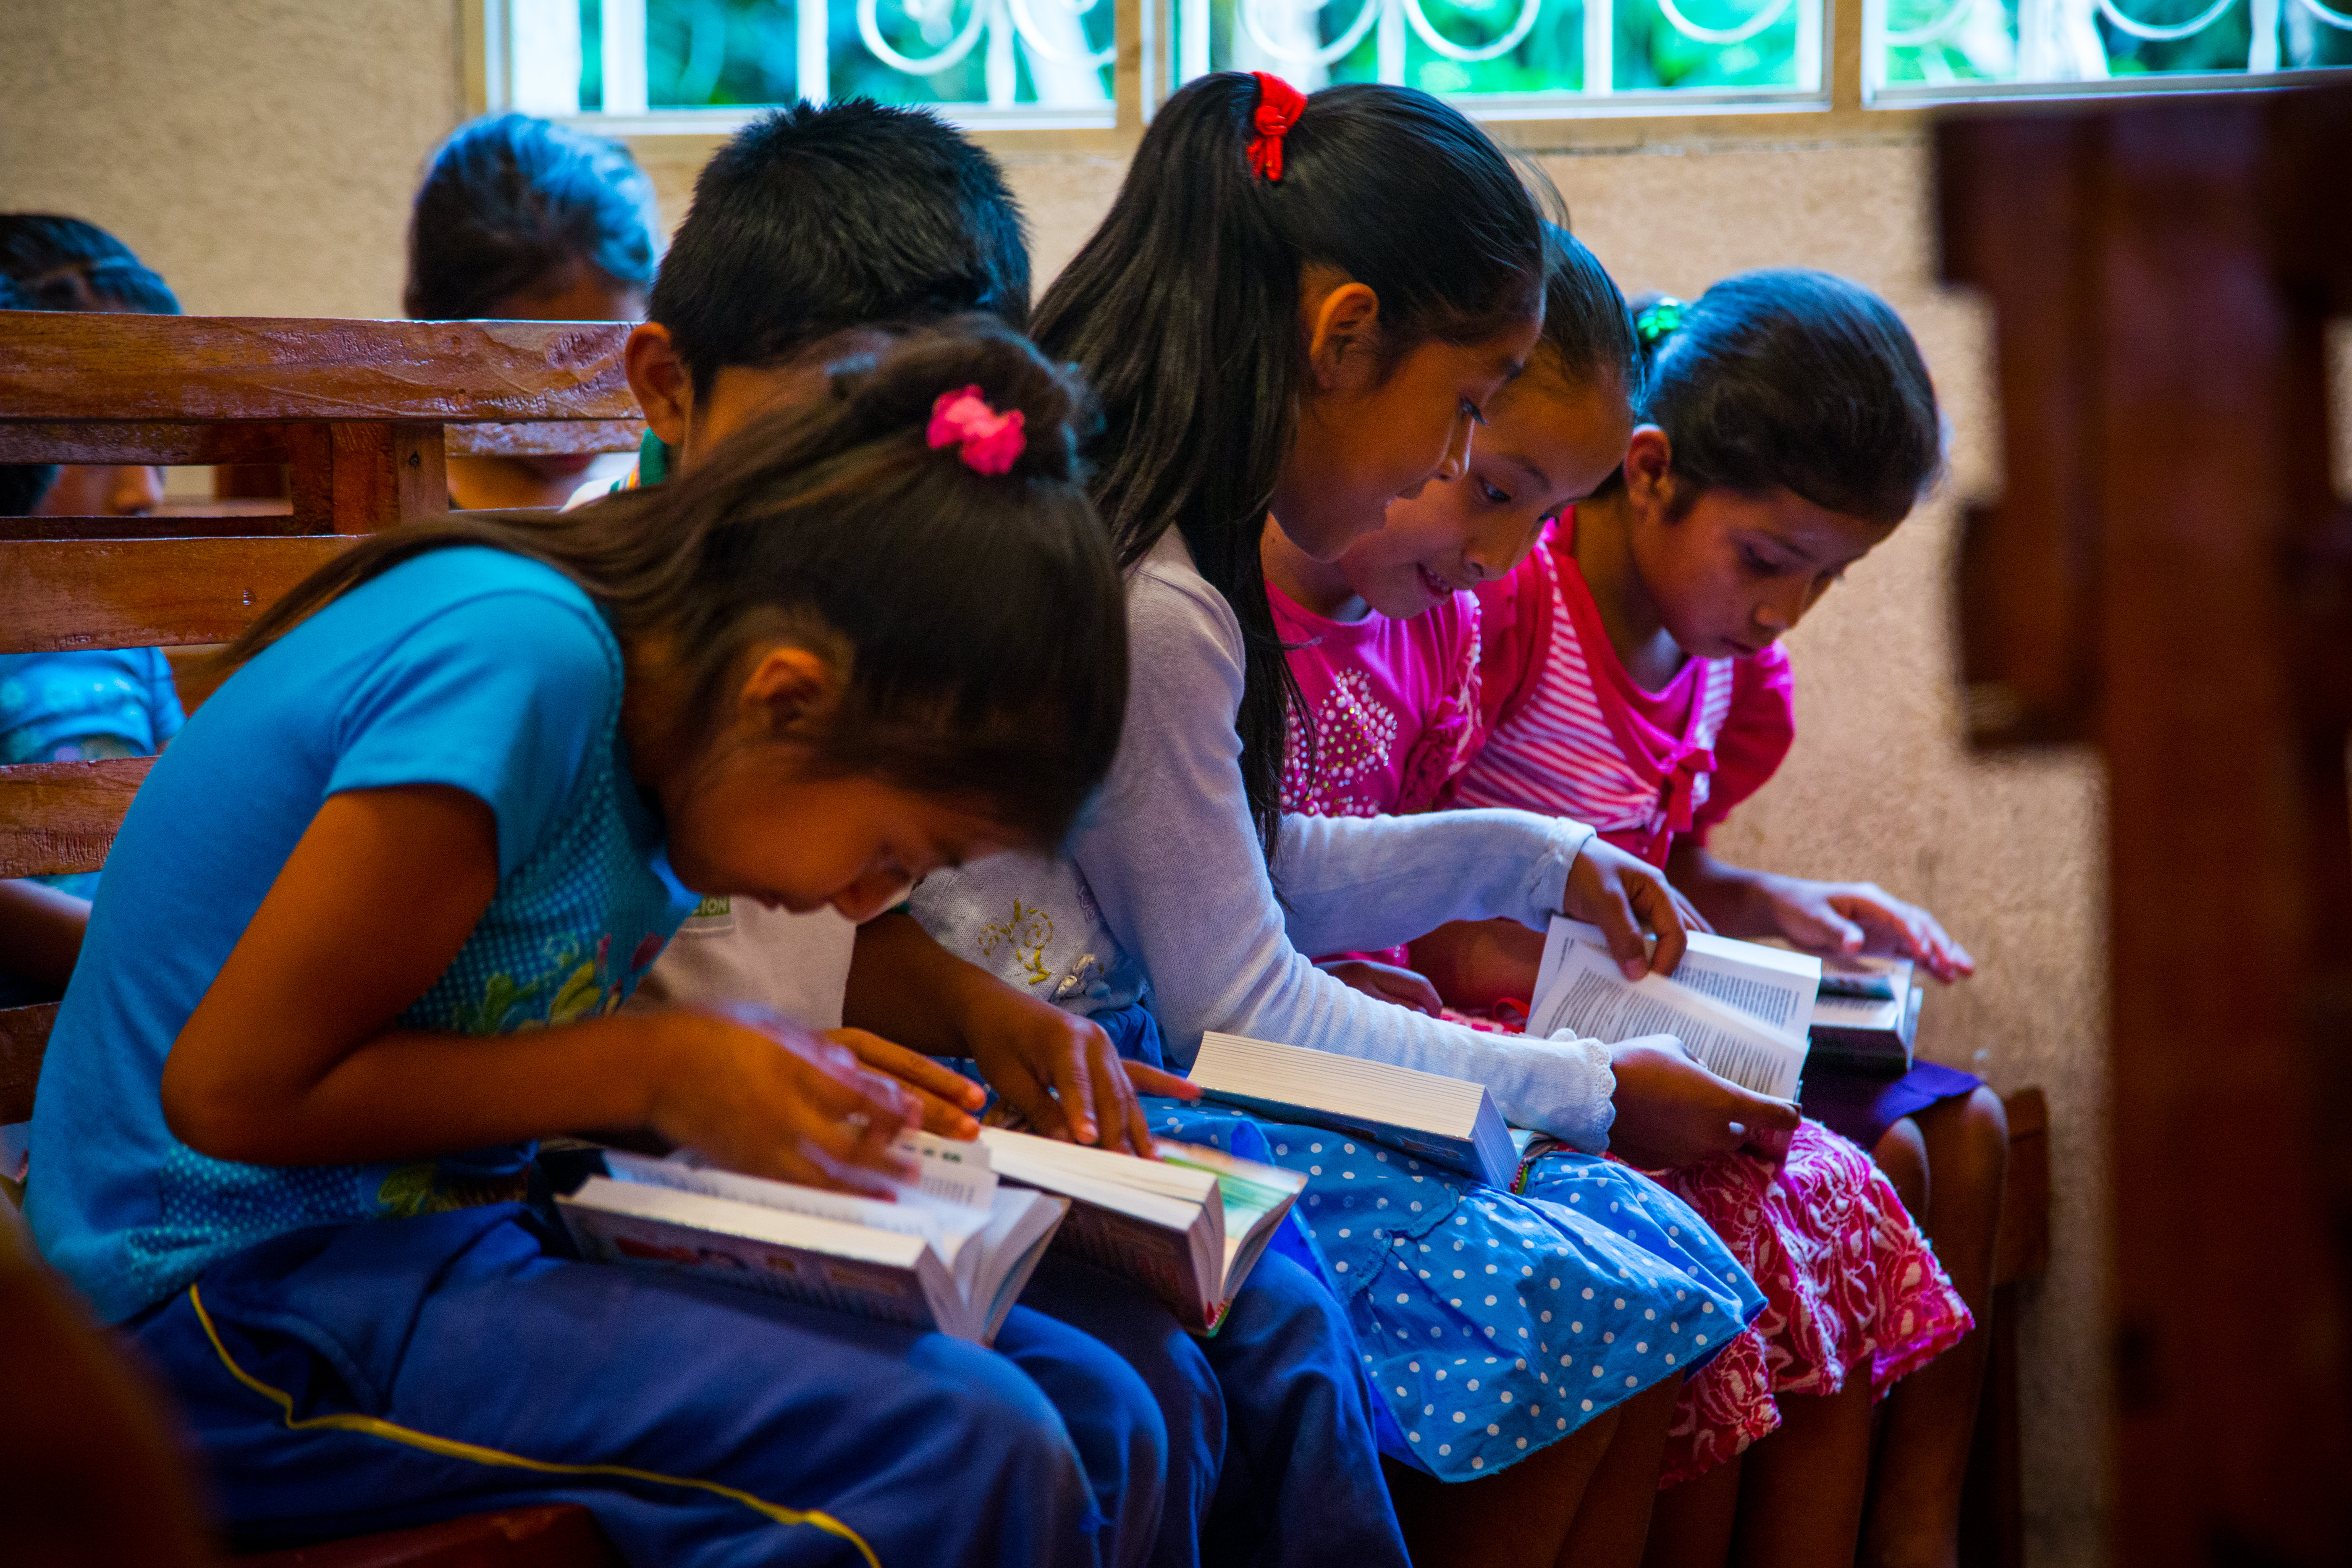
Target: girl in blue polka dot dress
{"x":1289,"y":319}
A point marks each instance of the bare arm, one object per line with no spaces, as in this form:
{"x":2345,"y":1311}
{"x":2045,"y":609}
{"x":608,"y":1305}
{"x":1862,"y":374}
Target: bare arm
{"x":1045,"y":1062}
{"x":290,"y":1058}
{"x":1827,"y":918}
{"x":41,"y":932}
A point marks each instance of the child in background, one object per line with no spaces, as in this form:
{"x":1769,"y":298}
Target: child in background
{"x":519,"y":219}
{"x":82,"y":706}
{"x":1632,"y":679}
{"x":1303,"y":305}
{"x":812,"y":222}
{"x":469,"y":771}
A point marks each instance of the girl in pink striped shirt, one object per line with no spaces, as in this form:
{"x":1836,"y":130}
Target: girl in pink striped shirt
{"x":1631,"y":679}
{"x":1400,"y":672}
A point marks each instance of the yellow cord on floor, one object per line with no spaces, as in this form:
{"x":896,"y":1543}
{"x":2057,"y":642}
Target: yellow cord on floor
{"x":449,"y":1447}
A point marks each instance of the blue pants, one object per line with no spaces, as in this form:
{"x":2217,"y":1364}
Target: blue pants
{"x":1300,"y":1483}
{"x":369,"y":1376}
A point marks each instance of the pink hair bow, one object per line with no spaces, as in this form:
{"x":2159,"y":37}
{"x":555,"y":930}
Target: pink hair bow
{"x":989,"y":441}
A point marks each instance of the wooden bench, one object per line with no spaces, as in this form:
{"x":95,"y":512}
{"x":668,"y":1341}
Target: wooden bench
{"x":361,"y":414}
{"x":2168,"y":577}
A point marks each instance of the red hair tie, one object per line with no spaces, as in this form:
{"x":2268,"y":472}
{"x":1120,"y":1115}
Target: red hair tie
{"x":1280,"y":105}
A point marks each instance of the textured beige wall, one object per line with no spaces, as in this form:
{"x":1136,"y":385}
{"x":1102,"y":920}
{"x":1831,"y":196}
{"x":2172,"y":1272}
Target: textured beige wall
{"x":260,"y":154}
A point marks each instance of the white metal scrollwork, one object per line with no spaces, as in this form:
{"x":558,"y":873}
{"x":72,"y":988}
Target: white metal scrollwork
{"x":1034,"y":36}
{"x":922,"y":13}
{"x":1723,"y":38}
{"x":2164,"y":32}
{"x":1337,"y":48}
{"x":1930,"y":32}
{"x":1529,"y":11}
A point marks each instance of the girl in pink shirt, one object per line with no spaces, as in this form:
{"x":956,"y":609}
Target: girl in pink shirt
{"x":1633,"y":681}
{"x":1397,"y":670}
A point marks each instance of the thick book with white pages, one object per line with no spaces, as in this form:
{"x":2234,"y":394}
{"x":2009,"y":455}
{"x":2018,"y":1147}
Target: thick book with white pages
{"x":923,"y":1260}
{"x":1867,"y":1015}
{"x":1740,"y":1008}
{"x":1188,"y":1226}
{"x":1449,"y":1121}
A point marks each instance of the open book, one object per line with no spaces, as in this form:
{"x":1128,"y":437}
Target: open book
{"x":1448,"y":1122}
{"x":1188,"y":1226}
{"x":1867,"y":1013}
{"x":1742,"y":1009}
{"x":923,"y":1260}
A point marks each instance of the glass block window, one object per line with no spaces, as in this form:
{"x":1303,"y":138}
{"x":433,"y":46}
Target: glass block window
{"x":660,"y":58}
{"x":1957,"y":48}
{"x":1502,"y":58}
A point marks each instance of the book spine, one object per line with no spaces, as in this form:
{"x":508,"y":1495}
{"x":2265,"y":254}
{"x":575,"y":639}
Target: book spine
{"x":844,"y":1285}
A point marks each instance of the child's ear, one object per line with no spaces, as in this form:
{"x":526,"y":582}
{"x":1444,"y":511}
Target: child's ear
{"x":1649,"y":470}
{"x":664,"y":387}
{"x":787,"y":685}
{"x":1343,"y":335}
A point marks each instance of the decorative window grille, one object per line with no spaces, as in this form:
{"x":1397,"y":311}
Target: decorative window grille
{"x":1018,"y":62}
{"x":649,"y":66}
{"x":1965,"y":49}
{"x":1521,"y":59}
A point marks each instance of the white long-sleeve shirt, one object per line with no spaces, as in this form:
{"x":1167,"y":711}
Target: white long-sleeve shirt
{"x":1164,"y":896}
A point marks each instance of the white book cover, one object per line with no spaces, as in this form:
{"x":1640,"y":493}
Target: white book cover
{"x":1449,"y":1121}
{"x":1188,"y":1226}
{"x":1580,"y":989}
{"x":921,"y":1260}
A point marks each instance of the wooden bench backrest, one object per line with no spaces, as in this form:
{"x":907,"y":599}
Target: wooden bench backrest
{"x":2168,"y":575}
{"x":363,"y":412}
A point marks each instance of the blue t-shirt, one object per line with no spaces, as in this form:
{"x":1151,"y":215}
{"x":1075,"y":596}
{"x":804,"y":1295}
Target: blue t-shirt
{"x":463,"y":667}
{"x":82,"y":706}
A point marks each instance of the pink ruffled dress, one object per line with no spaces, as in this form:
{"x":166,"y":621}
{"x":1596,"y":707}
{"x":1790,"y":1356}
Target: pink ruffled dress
{"x":1408,"y":714}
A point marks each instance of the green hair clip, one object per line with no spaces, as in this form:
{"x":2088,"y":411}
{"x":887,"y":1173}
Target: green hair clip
{"x":1658,"y":319}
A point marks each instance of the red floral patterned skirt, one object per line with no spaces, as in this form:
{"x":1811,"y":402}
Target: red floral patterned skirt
{"x":1851,"y":1289}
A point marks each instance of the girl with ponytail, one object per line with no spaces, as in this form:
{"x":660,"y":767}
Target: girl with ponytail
{"x":1298,"y":309}
{"x":367,"y":927}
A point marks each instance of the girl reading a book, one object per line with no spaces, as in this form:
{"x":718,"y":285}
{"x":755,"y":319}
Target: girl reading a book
{"x":1302,"y":307}
{"x":364,"y":935}
{"x":1856,"y":1296}
{"x":1631,"y":676}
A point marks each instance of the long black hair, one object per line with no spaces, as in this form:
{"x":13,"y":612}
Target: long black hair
{"x":508,"y":201}
{"x":1183,"y":309}
{"x":1798,"y":380}
{"x":978,"y":618}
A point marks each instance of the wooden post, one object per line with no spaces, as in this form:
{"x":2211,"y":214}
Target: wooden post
{"x":2166,"y":573}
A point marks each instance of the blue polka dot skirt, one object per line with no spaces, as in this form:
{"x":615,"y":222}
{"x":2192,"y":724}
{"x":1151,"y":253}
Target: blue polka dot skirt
{"x":1491,"y":1324}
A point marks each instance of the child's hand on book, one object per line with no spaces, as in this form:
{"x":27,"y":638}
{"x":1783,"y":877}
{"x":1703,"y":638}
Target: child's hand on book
{"x":1061,"y":1073}
{"x":760,"y":1095}
{"x":950,"y":1102}
{"x":1625,"y":895}
{"x":1385,"y":981}
{"x":1846,"y":919}
{"x":1672,"y":1112}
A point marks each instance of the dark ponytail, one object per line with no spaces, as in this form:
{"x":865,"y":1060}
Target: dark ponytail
{"x":1794,"y":380}
{"x":977,"y":616}
{"x":1182,"y":311}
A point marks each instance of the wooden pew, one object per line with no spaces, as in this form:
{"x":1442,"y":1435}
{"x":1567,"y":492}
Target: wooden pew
{"x":358,"y":411}
{"x":2168,"y":575}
